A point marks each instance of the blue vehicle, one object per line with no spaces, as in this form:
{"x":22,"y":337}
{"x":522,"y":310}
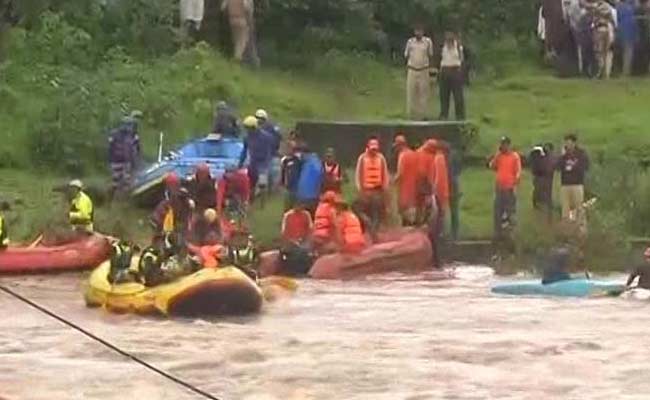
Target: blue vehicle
{"x":216,"y":151}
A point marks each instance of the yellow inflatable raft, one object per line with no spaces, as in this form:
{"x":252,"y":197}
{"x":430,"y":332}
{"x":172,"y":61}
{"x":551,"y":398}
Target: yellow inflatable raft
{"x":223,"y":291}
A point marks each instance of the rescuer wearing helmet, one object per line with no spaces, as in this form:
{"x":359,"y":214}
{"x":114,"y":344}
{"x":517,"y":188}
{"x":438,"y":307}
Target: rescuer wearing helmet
{"x":258,"y":147}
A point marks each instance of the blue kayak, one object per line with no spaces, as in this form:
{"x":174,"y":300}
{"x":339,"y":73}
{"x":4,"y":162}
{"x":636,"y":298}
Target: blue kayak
{"x":567,"y":288}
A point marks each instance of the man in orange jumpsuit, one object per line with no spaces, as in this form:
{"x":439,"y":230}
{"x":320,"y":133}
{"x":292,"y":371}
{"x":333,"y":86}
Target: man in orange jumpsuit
{"x":434,"y":175}
{"x":372,"y":179}
{"x":406,"y":180}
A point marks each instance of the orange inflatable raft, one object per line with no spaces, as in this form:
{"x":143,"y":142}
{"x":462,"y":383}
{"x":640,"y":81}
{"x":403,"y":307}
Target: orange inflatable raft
{"x":404,"y":250}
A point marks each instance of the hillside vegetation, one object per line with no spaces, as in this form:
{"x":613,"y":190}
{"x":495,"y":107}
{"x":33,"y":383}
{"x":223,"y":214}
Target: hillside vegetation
{"x":71,"y":69}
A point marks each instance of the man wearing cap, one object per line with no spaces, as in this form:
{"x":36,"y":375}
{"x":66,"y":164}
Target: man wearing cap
{"x":418,"y":54}
{"x":273,"y":130}
{"x":258,"y":149}
{"x":406,"y":180}
{"x":81,"y":213}
{"x":507,"y":165}
{"x":372,"y":180}
{"x":124,"y":153}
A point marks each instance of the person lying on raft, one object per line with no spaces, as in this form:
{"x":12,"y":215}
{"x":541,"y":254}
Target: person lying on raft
{"x":296,"y":251}
{"x":206,"y":240}
{"x":642,"y":272}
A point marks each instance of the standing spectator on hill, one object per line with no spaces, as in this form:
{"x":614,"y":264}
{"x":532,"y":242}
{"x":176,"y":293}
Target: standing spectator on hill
{"x":451,"y":77}
{"x":124,"y":153}
{"x":573,"y":166}
{"x":542,"y":164}
{"x":241,"y":16}
{"x":418,"y":54}
{"x":642,"y":64}
{"x":603,"y":26}
{"x":627,"y":33}
{"x":507,"y":165}
{"x":191,"y":12}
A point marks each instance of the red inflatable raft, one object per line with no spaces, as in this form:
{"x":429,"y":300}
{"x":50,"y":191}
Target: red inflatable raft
{"x":397,"y":251}
{"x":83,"y":254}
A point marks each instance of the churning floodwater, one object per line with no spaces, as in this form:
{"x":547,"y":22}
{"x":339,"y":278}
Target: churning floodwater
{"x":392,"y":337}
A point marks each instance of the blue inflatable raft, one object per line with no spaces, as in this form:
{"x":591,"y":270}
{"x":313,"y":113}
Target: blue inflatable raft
{"x":567,"y":288}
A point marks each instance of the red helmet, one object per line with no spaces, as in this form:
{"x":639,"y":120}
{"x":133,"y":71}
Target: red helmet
{"x":172,"y":180}
{"x":202,"y":171}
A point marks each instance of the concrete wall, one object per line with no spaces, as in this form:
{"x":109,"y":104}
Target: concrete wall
{"x":349,"y":138}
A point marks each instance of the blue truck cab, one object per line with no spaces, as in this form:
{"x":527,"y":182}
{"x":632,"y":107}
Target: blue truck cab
{"x":217,"y":151}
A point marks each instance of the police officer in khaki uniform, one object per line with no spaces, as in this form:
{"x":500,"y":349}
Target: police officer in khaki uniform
{"x":418,"y":54}
{"x":603,"y":35}
{"x":241,"y":16}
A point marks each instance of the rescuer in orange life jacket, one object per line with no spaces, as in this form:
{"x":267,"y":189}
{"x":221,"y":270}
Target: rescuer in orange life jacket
{"x":349,"y":233}
{"x":324,"y":232}
{"x":372,"y":180}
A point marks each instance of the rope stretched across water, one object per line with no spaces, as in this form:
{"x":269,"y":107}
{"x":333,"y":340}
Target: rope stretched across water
{"x":116,"y":349}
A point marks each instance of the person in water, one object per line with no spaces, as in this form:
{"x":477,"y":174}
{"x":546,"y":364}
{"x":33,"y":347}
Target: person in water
{"x":642,"y":272}
{"x":555,"y":267}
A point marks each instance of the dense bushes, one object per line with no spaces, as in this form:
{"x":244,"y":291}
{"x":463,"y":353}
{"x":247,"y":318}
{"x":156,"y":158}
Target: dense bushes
{"x":291,"y":32}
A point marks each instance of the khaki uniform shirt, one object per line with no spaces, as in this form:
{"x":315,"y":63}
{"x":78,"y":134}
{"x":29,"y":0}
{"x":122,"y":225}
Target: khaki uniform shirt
{"x":418,"y":53}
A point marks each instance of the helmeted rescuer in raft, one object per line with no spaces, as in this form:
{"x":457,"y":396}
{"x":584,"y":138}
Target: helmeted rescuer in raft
{"x":81,"y":214}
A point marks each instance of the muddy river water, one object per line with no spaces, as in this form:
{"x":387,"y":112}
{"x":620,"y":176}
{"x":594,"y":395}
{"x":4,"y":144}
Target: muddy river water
{"x":391,"y":337}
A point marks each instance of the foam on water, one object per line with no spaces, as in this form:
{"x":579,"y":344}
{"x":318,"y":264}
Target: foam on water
{"x":389,"y":337}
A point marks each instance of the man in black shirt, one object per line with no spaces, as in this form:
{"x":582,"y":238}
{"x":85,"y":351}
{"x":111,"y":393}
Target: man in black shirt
{"x":291,"y":165}
{"x":573,"y":166}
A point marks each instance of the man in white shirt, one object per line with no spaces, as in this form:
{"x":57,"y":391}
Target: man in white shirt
{"x":418,"y":54}
{"x":191,"y":17}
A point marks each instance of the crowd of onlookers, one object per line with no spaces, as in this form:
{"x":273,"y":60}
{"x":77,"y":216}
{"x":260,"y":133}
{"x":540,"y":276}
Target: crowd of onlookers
{"x":596,"y":38}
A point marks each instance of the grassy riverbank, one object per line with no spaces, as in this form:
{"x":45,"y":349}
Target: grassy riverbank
{"x":54,"y":114}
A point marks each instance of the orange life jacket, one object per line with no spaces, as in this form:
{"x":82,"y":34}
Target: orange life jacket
{"x":324,"y":221}
{"x":351,"y":232}
{"x":373,"y":172}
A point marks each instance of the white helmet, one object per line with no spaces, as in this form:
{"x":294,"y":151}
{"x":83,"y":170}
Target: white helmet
{"x":261,"y":114}
{"x":76,"y":183}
